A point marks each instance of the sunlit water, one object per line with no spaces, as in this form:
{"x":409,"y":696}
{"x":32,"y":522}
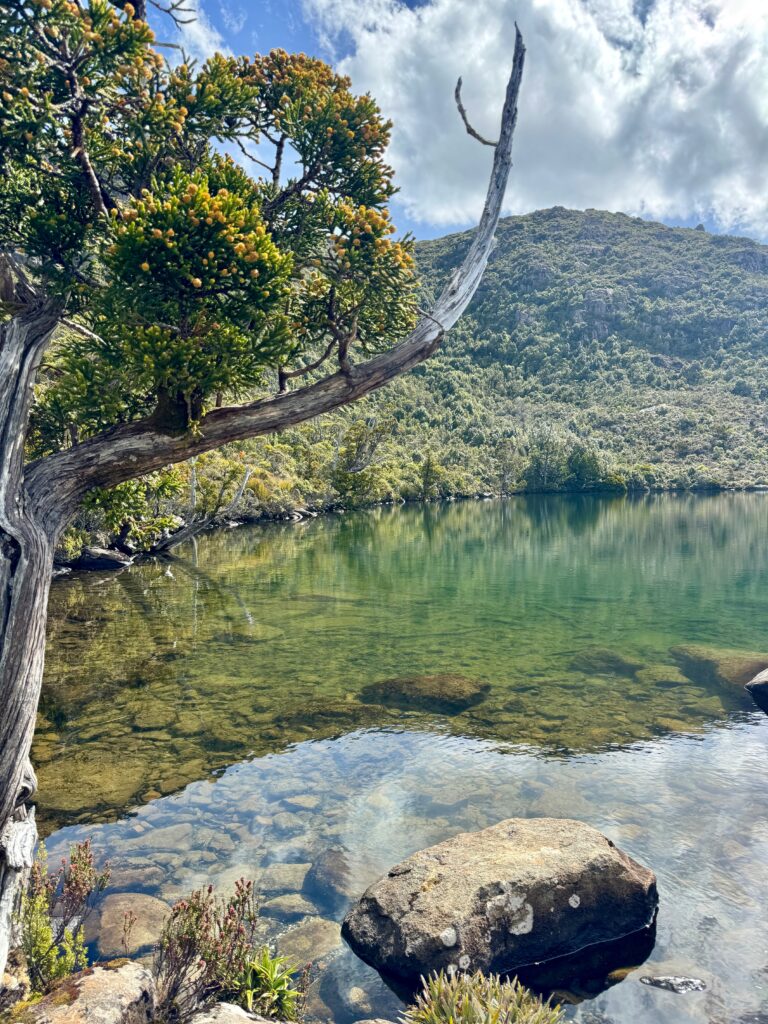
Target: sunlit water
{"x":201,"y":717}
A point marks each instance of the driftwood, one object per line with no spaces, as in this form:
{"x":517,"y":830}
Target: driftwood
{"x":38,"y":500}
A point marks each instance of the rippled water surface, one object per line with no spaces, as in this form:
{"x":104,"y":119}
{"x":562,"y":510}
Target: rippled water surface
{"x":205,"y":718}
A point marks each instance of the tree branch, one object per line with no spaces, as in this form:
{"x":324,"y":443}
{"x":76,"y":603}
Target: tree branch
{"x":56,"y":484}
{"x":470,"y":130}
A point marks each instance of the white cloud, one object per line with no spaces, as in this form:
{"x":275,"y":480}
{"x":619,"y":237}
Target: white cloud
{"x":198,"y":37}
{"x":653,"y":107}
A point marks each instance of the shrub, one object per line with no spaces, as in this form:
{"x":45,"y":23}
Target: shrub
{"x":267,"y":987}
{"x":53,"y":911}
{"x":206,"y":945}
{"x":478,"y":999}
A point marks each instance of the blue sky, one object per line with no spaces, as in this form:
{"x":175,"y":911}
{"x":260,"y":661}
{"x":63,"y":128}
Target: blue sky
{"x":657,"y":108}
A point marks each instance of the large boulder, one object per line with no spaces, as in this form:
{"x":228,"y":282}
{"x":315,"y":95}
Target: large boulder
{"x":758,"y":690}
{"x":522,"y":891}
{"x":121,"y":992}
{"x":447,"y":692}
{"x":714,"y":666}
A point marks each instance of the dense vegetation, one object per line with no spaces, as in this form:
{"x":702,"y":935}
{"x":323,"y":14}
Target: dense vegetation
{"x":601,"y":351}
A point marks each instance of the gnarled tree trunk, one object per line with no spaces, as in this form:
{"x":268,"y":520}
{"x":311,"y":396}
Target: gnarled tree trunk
{"x":26,"y":556}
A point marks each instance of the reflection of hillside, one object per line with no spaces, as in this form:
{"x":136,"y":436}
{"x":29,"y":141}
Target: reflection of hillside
{"x":163,"y":674}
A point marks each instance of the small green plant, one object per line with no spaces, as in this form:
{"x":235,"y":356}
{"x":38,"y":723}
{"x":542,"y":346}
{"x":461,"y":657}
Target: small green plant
{"x":268,"y":987}
{"x":478,"y":999}
{"x":53,"y":911}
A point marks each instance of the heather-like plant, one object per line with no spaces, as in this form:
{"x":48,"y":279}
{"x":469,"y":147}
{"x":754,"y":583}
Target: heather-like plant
{"x":206,"y":944}
{"x":478,"y":999}
{"x":53,"y":911}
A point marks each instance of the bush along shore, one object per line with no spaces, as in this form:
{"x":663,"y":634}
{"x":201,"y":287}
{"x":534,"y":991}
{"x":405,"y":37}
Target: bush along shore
{"x":257,"y":482}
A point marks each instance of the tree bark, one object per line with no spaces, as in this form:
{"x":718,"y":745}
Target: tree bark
{"x":26,"y":558}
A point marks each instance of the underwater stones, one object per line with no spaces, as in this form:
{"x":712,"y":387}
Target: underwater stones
{"x":329,"y":879}
{"x":604,"y":661}
{"x":279,"y":878}
{"x":758,"y":690}
{"x":257,"y":633}
{"x":291,"y":906}
{"x":91,"y":778}
{"x":311,"y":940}
{"x":327,"y":717}
{"x":135,"y":874}
{"x":121,"y":992}
{"x":446,"y":692}
{"x":164,"y":837}
{"x":154,"y":716}
{"x":664,"y":677}
{"x":303,"y":802}
{"x":106,"y":925}
{"x":522,"y":891}
{"x":719,"y":666}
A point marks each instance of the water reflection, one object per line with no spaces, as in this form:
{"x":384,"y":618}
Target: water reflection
{"x":267,"y":636}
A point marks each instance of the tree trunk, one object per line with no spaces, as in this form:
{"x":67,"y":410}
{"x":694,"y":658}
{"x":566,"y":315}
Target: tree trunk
{"x":26,"y":560}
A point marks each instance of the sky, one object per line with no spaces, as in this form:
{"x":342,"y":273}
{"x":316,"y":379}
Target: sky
{"x":656,"y":108}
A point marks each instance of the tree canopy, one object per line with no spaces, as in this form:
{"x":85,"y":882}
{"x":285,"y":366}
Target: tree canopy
{"x":185,"y":275}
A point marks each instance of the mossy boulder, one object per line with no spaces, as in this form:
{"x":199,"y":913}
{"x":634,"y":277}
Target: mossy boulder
{"x":713,"y":666}
{"x":446,"y":693}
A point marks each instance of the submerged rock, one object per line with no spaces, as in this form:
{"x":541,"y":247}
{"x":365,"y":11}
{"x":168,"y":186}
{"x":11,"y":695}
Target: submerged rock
{"x":675,"y":984}
{"x":310,"y":940}
{"x":106,"y":925}
{"x":664,"y":677}
{"x":446,"y":692}
{"x":280,"y":877}
{"x":603,"y":661}
{"x":289,"y":907}
{"x":758,"y":690}
{"x":718,"y":666}
{"x":329,"y":880}
{"x":522,"y":891}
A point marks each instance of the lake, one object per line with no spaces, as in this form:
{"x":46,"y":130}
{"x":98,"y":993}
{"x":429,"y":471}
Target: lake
{"x":208,"y":716}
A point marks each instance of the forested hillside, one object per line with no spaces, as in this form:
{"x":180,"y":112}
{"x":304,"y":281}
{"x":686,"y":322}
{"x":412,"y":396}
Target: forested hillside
{"x":649,"y":342}
{"x":600,"y":351}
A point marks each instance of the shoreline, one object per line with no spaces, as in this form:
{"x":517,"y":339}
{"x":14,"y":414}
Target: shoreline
{"x":94,"y":558}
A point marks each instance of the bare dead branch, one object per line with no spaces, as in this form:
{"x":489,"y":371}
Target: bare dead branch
{"x":470,"y":130}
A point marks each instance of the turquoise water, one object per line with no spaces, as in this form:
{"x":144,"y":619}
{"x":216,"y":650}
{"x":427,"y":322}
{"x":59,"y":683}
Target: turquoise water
{"x":206,"y":717}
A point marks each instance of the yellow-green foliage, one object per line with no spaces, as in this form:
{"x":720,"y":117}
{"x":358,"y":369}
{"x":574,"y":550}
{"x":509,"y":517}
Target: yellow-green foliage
{"x":267,"y":987}
{"x":478,"y":999}
{"x":52,"y":950}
